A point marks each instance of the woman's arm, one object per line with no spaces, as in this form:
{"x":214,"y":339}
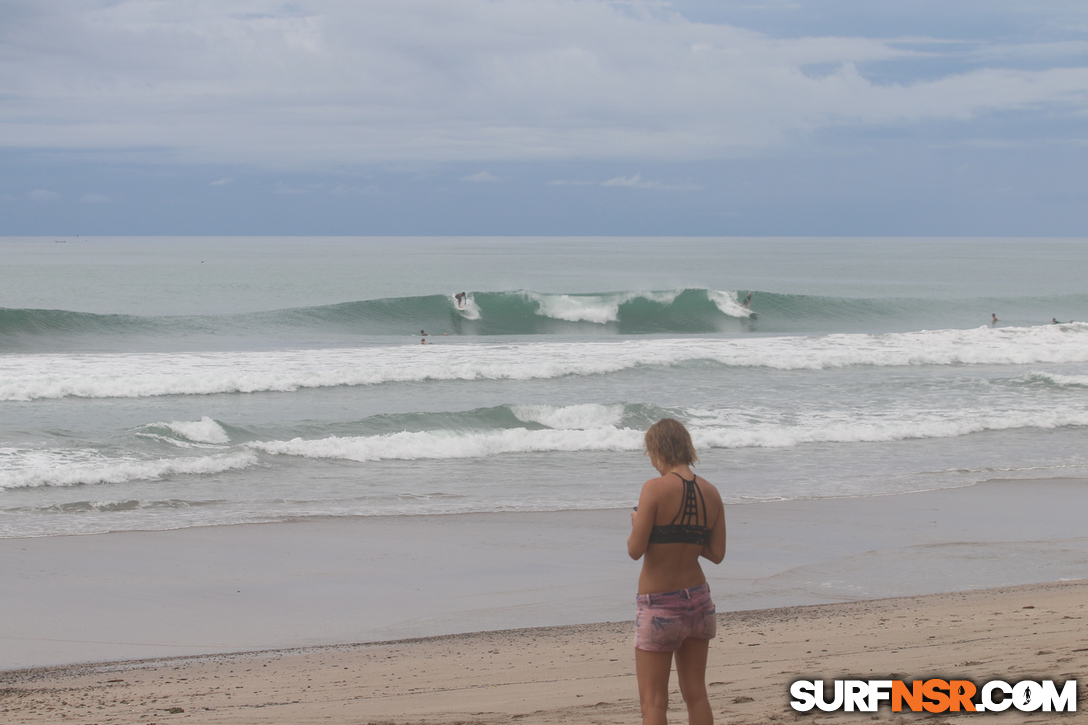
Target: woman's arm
{"x":642,"y":522}
{"x":715,"y":548}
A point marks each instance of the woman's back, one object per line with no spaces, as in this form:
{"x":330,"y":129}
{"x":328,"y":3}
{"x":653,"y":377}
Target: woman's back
{"x":679,"y":518}
{"x":687,"y":522}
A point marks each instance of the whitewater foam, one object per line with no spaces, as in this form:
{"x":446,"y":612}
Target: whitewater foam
{"x":205,"y":430}
{"x":32,"y":468}
{"x":843,"y":428}
{"x":148,"y":374}
{"x":728,"y":304}
{"x":598,"y":309}
{"x":1073,"y":381}
{"x":422,"y":445}
{"x":570,"y":417}
{"x":470,"y":310}
{"x":580,"y":308}
{"x":596,"y":428}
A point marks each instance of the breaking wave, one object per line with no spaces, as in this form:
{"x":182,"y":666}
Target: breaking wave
{"x":138,"y":375}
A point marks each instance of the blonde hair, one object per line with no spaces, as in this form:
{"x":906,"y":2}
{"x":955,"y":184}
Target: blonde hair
{"x":668,"y":441}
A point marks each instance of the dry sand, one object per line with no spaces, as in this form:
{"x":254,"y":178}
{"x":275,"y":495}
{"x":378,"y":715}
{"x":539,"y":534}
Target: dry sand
{"x":584,"y":673}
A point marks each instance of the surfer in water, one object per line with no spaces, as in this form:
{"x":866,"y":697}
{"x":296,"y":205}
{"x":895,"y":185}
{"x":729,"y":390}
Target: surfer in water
{"x":993,"y":315}
{"x":460,"y":297}
{"x":748,"y":301}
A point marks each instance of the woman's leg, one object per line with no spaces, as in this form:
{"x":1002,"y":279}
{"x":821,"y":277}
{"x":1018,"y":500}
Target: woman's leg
{"x":652,"y":670}
{"x":691,"y":671}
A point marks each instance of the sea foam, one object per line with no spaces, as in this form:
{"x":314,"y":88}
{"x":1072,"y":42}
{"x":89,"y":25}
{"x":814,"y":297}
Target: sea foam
{"x":34,"y":468}
{"x":599,"y":309}
{"x":204,"y":431}
{"x":594,"y":428}
{"x":1071,"y":381}
{"x":469,"y":309}
{"x":30,"y":377}
{"x":421,"y":445}
{"x":728,"y":304}
{"x":570,"y":417}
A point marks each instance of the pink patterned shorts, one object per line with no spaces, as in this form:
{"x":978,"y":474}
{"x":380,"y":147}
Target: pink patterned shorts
{"x":663,"y":621}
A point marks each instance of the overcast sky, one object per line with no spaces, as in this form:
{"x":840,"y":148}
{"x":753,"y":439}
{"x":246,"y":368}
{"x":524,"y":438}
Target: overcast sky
{"x":706,"y":117}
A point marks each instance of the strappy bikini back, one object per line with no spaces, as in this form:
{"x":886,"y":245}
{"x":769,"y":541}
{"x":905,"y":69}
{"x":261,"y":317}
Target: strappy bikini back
{"x":685,"y":527}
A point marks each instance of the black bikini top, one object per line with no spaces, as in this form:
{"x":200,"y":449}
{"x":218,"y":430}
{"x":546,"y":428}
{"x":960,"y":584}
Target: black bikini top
{"x":685,"y":527}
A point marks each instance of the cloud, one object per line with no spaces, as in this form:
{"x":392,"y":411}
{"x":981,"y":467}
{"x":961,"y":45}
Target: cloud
{"x":43,"y":195}
{"x":480,"y":176}
{"x":220,"y":182}
{"x":631,"y":182}
{"x":95,"y":199}
{"x":345,"y":189}
{"x":637,"y":182}
{"x":325,"y":83}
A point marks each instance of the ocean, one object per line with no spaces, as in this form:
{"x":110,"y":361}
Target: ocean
{"x":169,"y":382}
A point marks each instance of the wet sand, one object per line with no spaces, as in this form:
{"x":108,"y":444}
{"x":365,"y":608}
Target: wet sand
{"x":464,"y":588}
{"x":320,"y":582}
{"x":584,"y":673}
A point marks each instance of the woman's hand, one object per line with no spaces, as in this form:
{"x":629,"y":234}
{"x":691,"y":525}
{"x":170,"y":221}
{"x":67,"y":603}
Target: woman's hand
{"x":642,"y":520}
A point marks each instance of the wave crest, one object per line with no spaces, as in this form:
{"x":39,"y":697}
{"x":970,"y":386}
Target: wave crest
{"x":35,"y":468}
{"x":128,"y":375}
{"x":204,"y":431}
{"x":1056,"y":379}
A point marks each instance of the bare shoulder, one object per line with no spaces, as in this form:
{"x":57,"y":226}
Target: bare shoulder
{"x":710,"y":491}
{"x":655,"y":489}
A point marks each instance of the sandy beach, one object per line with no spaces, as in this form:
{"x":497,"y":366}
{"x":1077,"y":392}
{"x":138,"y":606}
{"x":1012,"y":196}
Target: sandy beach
{"x":496,"y":617}
{"x":584,"y":673}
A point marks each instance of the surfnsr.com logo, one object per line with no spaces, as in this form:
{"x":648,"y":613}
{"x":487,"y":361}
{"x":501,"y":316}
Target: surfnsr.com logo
{"x":934,"y":695}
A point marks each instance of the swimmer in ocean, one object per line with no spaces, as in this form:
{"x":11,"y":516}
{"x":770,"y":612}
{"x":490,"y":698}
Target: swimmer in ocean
{"x":993,"y":315}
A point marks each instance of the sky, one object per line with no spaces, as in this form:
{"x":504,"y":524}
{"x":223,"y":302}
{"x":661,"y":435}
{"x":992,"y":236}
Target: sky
{"x":544,"y":117}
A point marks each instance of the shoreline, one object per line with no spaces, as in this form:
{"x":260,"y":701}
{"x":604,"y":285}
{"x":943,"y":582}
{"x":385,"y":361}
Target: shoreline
{"x":585,"y":673}
{"x":139,"y":595}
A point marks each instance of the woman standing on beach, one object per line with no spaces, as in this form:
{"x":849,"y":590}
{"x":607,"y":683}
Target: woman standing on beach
{"x":679,"y":518}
